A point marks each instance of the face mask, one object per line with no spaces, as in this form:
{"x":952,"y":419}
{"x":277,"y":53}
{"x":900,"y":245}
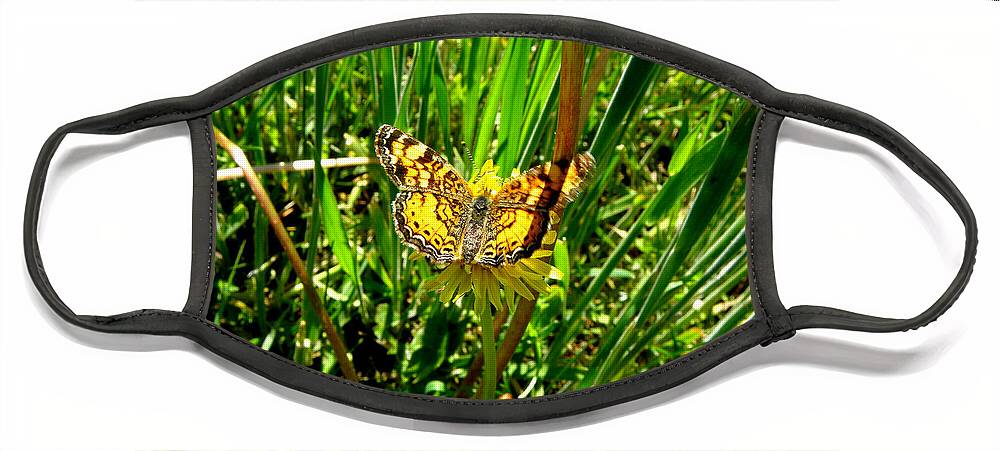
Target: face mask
{"x":486,"y":218}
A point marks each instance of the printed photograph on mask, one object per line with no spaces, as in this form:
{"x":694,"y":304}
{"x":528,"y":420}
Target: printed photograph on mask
{"x":487,"y":218}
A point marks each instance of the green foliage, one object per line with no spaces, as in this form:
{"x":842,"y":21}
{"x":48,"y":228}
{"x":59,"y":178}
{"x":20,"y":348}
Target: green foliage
{"x":653,"y":252}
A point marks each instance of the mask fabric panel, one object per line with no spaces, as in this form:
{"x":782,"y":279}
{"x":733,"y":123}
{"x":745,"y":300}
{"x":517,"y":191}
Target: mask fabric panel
{"x":430,"y":258}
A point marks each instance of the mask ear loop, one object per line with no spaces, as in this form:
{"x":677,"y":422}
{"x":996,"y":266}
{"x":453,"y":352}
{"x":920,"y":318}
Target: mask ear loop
{"x":149,"y":321}
{"x":852,"y":121}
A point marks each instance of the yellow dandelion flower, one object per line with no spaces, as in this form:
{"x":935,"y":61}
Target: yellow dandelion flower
{"x":497,"y":285}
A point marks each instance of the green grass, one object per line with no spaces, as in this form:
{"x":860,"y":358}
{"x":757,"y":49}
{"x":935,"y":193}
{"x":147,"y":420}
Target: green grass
{"x":653,"y":252}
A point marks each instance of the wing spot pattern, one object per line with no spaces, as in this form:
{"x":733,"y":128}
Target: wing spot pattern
{"x":433,"y":208}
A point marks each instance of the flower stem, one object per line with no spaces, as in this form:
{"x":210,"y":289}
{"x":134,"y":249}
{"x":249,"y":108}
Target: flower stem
{"x":489,"y":384}
{"x":476,"y":369}
{"x":570,"y":86}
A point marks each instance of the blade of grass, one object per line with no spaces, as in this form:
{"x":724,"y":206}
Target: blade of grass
{"x":488,"y":116}
{"x":333,"y":226}
{"x":512,"y":104}
{"x":669,"y":195}
{"x":737,"y":314}
{"x":260,"y":246}
{"x":694,"y":140}
{"x":544,"y":96}
{"x":390,"y":248}
{"x":423,"y":70}
{"x":309,"y":318}
{"x":712,"y":192}
{"x":443,"y":107}
{"x":735,"y":249}
{"x":412,"y":86}
{"x":541,"y":125}
{"x":634,"y":82}
{"x":386,"y":84}
{"x":625,"y":102}
{"x":476,"y":63}
{"x":595,"y":73}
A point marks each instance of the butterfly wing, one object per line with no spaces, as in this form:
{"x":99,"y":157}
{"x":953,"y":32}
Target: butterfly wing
{"x":430,"y":223}
{"x":532,"y":190}
{"x":511,"y":234}
{"x":518,"y":218}
{"x":413,"y":166}
{"x":430,"y":209}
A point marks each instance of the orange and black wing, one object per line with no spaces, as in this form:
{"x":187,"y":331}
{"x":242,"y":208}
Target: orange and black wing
{"x":429,"y":211}
{"x":518,"y":218}
{"x":430,"y":223}
{"x":413,"y":166}
{"x":511,"y":234}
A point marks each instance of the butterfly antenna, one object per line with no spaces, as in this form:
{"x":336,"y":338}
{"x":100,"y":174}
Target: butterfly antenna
{"x":468,"y":154}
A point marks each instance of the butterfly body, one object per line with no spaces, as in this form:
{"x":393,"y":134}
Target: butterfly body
{"x":440,"y":214}
{"x":472,"y":238}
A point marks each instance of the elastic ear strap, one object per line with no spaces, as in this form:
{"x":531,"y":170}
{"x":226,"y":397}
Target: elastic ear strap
{"x":136,"y":321}
{"x":856,"y":122}
{"x":32,"y":209}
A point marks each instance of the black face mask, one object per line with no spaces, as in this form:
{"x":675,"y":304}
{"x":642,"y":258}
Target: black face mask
{"x":486,"y":218}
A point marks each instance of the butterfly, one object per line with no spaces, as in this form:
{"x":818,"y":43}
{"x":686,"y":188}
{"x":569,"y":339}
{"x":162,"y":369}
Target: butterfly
{"x":440,"y":214}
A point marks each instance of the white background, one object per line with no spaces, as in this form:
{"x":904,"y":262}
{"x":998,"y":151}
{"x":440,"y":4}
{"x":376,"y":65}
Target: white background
{"x":852,"y":229}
